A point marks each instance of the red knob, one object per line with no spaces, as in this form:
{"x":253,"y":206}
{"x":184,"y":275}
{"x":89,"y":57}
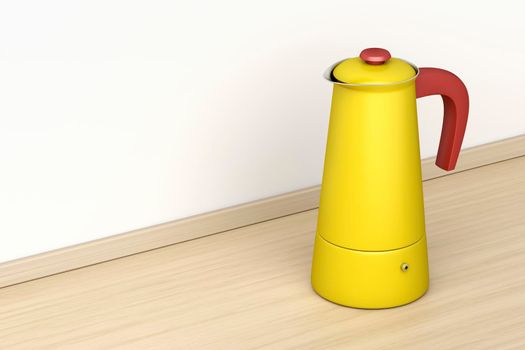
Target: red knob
{"x":375,"y":55}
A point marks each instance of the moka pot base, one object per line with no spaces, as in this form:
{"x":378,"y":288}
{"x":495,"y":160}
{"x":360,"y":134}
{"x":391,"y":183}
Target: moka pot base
{"x":370,"y":279}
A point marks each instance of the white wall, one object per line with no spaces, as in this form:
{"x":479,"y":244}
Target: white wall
{"x":116,"y":115}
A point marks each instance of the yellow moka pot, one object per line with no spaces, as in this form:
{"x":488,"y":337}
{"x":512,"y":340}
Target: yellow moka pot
{"x":370,"y":248}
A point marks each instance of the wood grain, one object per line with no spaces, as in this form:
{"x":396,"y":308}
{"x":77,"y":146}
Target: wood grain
{"x":141,"y":240}
{"x":117,"y":246}
{"x":249,"y":288}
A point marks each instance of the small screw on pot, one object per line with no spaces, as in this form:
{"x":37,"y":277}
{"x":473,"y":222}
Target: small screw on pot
{"x":404,"y":267}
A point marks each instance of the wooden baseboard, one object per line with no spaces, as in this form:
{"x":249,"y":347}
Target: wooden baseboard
{"x":141,"y":240}
{"x":477,"y":156}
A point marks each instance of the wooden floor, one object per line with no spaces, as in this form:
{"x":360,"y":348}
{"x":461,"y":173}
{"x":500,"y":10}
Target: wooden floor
{"x":249,"y":288}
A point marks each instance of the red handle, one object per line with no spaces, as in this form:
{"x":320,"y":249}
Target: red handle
{"x":434,"y":81}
